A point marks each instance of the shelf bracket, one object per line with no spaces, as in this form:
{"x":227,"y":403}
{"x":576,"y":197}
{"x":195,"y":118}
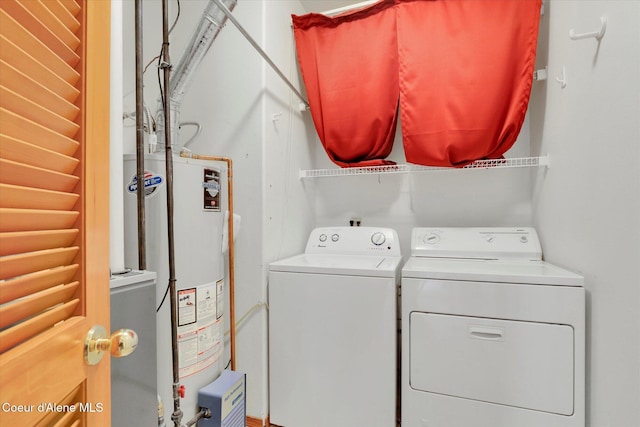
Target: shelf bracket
{"x":594,"y":34}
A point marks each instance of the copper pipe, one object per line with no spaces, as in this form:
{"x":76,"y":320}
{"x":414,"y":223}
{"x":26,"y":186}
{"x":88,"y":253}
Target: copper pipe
{"x":232,"y":308}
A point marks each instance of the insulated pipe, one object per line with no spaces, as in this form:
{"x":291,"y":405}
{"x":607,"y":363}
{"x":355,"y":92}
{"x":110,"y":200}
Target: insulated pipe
{"x":211,"y":22}
{"x":142,"y":251}
{"x":176,"y":416}
{"x":232,"y":308}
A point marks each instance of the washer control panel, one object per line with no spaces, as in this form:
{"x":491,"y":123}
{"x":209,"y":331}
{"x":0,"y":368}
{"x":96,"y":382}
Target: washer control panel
{"x":477,"y":243}
{"x":353,"y":241}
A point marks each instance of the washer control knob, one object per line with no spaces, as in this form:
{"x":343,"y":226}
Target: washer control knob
{"x":489,"y":239}
{"x":335,"y":237}
{"x":378,"y":238}
{"x":323,"y":237}
{"x":431,"y":239}
{"x":524,"y":239}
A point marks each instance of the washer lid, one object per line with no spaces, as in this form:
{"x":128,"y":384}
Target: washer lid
{"x":345,"y":265}
{"x":497,"y":271}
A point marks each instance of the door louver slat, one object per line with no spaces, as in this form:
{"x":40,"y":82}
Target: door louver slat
{"x":31,"y":220}
{"x":71,"y":399}
{"x":29,"y":131}
{"x":30,"y":328}
{"x":21,"y":264}
{"x":14,"y":196}
{"x":31,"y":176}
{"x":38,"y":21}
{"x":27,"y":307}
{"x":31,"y":67}
{"x":69,"y":419}
{"x":25,"y":40}
{"x":34,"y":155}
{"x":29,"y":241}
{"x":20,"y":287}
{"x":36,"y":93}
{"x":39,"y":114}
{"x":64,"y":36}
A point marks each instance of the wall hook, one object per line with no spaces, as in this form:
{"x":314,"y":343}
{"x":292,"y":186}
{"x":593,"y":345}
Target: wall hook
{"x":563,"y":79}
{"x":595,"y":34}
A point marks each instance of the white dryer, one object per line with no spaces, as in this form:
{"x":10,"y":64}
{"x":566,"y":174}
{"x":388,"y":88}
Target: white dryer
{"x":332,"y":330}
{"x":492,"y":335}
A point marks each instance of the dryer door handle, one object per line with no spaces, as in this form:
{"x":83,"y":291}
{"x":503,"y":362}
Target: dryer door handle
{"x":486,"y":333}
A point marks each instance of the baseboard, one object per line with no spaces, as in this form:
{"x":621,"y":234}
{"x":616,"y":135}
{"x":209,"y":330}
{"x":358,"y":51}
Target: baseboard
{"x":257,"y":422}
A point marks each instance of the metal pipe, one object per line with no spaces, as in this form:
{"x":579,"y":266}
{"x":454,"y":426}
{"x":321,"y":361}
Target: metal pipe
{"x":262,"y":53}
{"x":204,"y":413}
{"x":232,"y":304}
{"x":142,"y":251}
{"x":176,"y":416}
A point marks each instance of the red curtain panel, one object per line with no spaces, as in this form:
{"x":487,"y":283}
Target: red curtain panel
{"x":466,"y":69}
{"x":349,"y":65}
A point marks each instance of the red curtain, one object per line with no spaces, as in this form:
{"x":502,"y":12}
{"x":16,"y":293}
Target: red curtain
{"x":349,"y":64}
{"x":466,"y":68}
{"x":462,"y":70}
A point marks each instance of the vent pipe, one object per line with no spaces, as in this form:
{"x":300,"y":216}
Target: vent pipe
{"x":211,"y":22}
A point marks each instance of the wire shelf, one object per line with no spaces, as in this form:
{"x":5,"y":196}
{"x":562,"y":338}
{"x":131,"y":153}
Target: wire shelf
{"x":516,"y":162}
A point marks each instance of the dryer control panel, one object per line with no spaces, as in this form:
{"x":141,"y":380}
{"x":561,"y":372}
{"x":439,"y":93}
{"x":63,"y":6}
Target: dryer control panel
{"x":520,"y":243}
{"x":353,"y":241}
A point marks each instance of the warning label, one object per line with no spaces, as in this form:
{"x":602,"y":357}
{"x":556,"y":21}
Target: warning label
{"x":200,"y":326}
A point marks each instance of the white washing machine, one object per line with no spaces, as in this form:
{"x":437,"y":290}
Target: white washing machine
{"x":492,"y":335}
{"x":332,"y":330}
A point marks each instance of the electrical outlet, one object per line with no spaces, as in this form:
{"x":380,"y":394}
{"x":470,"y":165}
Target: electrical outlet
{"x":355,"y":222}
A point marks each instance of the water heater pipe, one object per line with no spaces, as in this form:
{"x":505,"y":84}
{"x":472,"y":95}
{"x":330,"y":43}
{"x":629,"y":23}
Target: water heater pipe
{"x":232,"y":305}
{"x":142,"y":251}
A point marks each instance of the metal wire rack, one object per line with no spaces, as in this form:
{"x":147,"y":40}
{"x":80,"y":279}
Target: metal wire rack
{"x":516,"y":162}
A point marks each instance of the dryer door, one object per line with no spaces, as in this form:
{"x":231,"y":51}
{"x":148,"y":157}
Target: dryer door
{"x":522,"y":364}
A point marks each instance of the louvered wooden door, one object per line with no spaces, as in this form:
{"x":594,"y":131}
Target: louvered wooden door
{"x":54,"y":224}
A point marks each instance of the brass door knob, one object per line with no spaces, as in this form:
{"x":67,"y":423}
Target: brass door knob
{"x":122,"y":343}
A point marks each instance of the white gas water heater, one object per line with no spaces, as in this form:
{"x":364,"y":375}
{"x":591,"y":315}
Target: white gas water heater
{"x":199,"y":211}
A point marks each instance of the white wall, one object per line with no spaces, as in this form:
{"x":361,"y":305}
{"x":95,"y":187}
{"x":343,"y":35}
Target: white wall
{"x":587,"y":205}
{"x":288,"y":205}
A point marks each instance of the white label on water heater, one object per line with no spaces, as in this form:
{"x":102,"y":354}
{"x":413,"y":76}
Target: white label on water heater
{"x":220,"y":298}
{"x":200,"y":327}
{"x":186,"y":306}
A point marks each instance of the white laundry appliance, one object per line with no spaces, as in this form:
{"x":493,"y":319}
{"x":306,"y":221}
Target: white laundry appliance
{"x":492,"y":335}
{"x":333,"y":332}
